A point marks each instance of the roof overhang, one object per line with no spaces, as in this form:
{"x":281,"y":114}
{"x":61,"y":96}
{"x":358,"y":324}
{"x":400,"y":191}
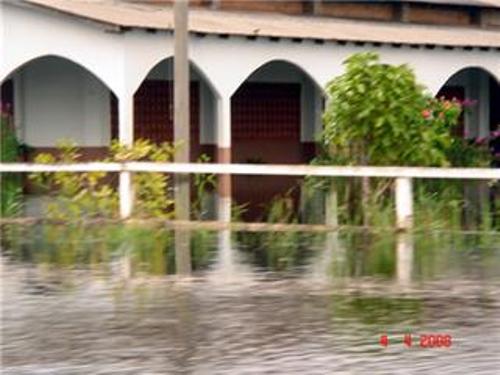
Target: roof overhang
{"x":126,"y":16}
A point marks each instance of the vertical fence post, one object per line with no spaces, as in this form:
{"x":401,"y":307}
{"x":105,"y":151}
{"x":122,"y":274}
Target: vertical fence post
{"x":404,"y":258}
{"x":125,"y":194}
{"x":182,"y":134}
{"x":126,"y":137}
{"x":404,"y":203}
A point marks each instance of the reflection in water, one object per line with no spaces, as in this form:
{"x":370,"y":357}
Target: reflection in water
{"x":331,"y":260}
{"x":228,"y":267}
{"x":404,"y":256}
{"x":314,"y":304}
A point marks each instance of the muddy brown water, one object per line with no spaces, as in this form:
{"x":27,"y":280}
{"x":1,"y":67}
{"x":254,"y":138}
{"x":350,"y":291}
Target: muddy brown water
{"x":317,"y":308}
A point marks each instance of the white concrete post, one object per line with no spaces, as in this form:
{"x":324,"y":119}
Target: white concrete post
{"x":224,"y":191}
{"x":404,"y":203}
{"x":223,"y":132}
{"x":484,"y":104}
{"x":126,"y":137}
{"x":404,"y":258}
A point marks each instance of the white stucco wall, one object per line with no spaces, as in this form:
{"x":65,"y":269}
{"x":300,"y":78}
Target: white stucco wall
{"x":123,"y":60}
{"x":60,"y":100}
{"x":30,"y":33}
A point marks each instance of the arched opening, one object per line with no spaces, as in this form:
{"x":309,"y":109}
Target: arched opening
{"x":479,"y":91}
{"x":275,"y":117}
{"x":52,"y":98}
{"x":154,"y":109}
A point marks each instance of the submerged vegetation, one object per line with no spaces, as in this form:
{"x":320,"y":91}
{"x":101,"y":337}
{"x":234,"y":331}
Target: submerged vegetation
{"x":378,"y":115}
{"x":80,"y":196}
{"x":82,"y":209}
{"x":10,"y":183}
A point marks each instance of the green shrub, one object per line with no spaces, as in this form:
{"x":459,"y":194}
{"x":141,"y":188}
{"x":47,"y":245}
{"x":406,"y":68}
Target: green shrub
{"x":79,"y":196}
{"x":379,"y":115}
{"x":11,"y":183}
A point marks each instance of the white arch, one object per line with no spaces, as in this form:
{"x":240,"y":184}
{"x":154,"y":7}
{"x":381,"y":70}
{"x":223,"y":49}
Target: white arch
{"x":287,"y":62}
{"x":29,"y":34}
{"x":436,"y":78}
{"x":462,"y":69}
{"x":58,"y":57}
{"x":154,"y":63}
{"x":229,"y":62}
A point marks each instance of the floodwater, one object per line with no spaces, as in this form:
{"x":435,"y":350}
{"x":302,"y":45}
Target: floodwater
{"x":273,"y":303}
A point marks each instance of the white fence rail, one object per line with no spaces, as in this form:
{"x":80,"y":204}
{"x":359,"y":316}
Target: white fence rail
{"x":261,"y":169}
{"x":403,"y":176}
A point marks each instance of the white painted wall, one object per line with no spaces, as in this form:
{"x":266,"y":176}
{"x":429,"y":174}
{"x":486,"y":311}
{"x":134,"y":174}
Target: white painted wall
{"x":123,"y":60}
{"x":31,"y":33}
{"x":60,"y":100}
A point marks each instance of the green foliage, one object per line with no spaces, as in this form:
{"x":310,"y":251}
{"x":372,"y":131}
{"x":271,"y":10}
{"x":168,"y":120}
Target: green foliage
{"x":10,"y":189}
{"x":468,"y":153}
{"x":203,"y":183}
{"x":378,"y":114}
{"x":279,"y":251}
{"x":79,"y":196}
{"x":152,"y":195}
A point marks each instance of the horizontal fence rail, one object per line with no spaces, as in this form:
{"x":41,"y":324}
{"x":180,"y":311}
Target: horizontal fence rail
{"x":402,"y":175}
{"x":261,"y":169}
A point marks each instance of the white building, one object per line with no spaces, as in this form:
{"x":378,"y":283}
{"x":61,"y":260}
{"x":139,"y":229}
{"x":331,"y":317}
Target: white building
{"x":91,"y":70}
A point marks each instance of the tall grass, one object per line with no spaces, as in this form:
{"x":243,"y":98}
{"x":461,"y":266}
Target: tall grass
{"x":10,"y":183}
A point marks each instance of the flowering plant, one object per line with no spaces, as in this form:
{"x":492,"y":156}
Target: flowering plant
{"x":494,"y":144}
{"x":378,"y":114}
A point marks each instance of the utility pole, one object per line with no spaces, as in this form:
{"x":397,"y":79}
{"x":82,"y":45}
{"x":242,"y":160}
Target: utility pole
{"x":181,"y":134}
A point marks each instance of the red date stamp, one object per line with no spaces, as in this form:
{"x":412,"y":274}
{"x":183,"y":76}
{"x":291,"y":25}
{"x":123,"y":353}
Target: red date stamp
{"x":428,"y":340}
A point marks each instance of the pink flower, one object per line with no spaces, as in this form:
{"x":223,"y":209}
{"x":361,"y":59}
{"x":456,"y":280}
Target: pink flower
{"x":5,"y":108}
{"x":469,"y":102}
{"x":426,"y":113}
{"x":495,"y":134}
{"x":480,"y":140}
{"x":447,"y":104}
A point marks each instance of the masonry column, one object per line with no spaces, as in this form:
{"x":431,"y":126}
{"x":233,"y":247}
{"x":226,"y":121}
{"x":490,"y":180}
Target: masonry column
{"x":126,"y":137}
{"x":483,"y":80}
{"x":224,"y":157}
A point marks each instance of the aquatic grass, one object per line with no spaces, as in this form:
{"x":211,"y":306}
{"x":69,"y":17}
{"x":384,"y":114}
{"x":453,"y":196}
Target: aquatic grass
{"x":10,"y":183}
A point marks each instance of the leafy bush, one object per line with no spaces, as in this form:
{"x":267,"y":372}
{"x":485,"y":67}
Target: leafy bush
{"x":10,"y":189}
{"x":152,"y":190}
{"x":276,"y":250}
{"x":378,"y":114}
{"x":92,"y":194}
{"x":80,"y":196}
